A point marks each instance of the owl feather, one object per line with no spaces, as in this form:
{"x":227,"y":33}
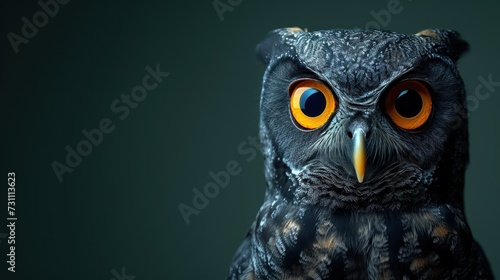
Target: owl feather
{"x":365,"y":140}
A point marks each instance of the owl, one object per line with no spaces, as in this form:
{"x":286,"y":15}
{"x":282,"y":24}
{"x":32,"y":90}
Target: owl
{"x":365,"y":141}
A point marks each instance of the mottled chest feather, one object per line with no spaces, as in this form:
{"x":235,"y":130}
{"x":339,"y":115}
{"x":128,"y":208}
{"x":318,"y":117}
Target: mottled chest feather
{"x":303,"y":243}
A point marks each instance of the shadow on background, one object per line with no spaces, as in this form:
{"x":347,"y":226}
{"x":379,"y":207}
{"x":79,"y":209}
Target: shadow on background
{"x":104,"y":155}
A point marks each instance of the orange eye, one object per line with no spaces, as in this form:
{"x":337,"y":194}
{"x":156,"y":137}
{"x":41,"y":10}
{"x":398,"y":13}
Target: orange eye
{"x":311,"y":103}
{"x":409,"y":104}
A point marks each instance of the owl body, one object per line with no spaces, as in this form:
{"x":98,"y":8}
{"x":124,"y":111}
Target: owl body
{"x":365,"y":142}
{"x":428,"y":243}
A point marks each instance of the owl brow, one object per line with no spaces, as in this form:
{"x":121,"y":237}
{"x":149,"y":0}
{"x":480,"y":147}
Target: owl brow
{"x":398,"y":76}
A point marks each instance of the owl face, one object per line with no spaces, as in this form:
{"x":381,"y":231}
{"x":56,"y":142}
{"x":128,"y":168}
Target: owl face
{"x":364,"y":117}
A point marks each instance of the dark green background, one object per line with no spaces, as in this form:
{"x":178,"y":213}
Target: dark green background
{"x":118,"y":208}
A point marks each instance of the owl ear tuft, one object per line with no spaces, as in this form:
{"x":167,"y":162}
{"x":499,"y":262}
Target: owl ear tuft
{"x":448,"y":42}
{"x":277,"y":41}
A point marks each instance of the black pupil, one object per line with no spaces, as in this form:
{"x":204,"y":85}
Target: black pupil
{"x":408,"y":103}
{"x":312,"y":102}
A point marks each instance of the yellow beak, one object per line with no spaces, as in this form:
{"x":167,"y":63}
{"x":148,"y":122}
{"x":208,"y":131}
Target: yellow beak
{"x":359,"y":154}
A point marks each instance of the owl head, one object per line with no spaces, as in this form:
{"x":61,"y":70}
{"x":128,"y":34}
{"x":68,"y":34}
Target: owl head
{"x":364,"y":119}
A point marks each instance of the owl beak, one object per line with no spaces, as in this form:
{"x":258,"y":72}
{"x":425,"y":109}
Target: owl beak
{"x":359,"y":154}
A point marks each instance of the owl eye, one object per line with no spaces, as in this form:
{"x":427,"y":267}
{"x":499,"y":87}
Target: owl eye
{"x":311,"y":103}
{"x":409,"y":104}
